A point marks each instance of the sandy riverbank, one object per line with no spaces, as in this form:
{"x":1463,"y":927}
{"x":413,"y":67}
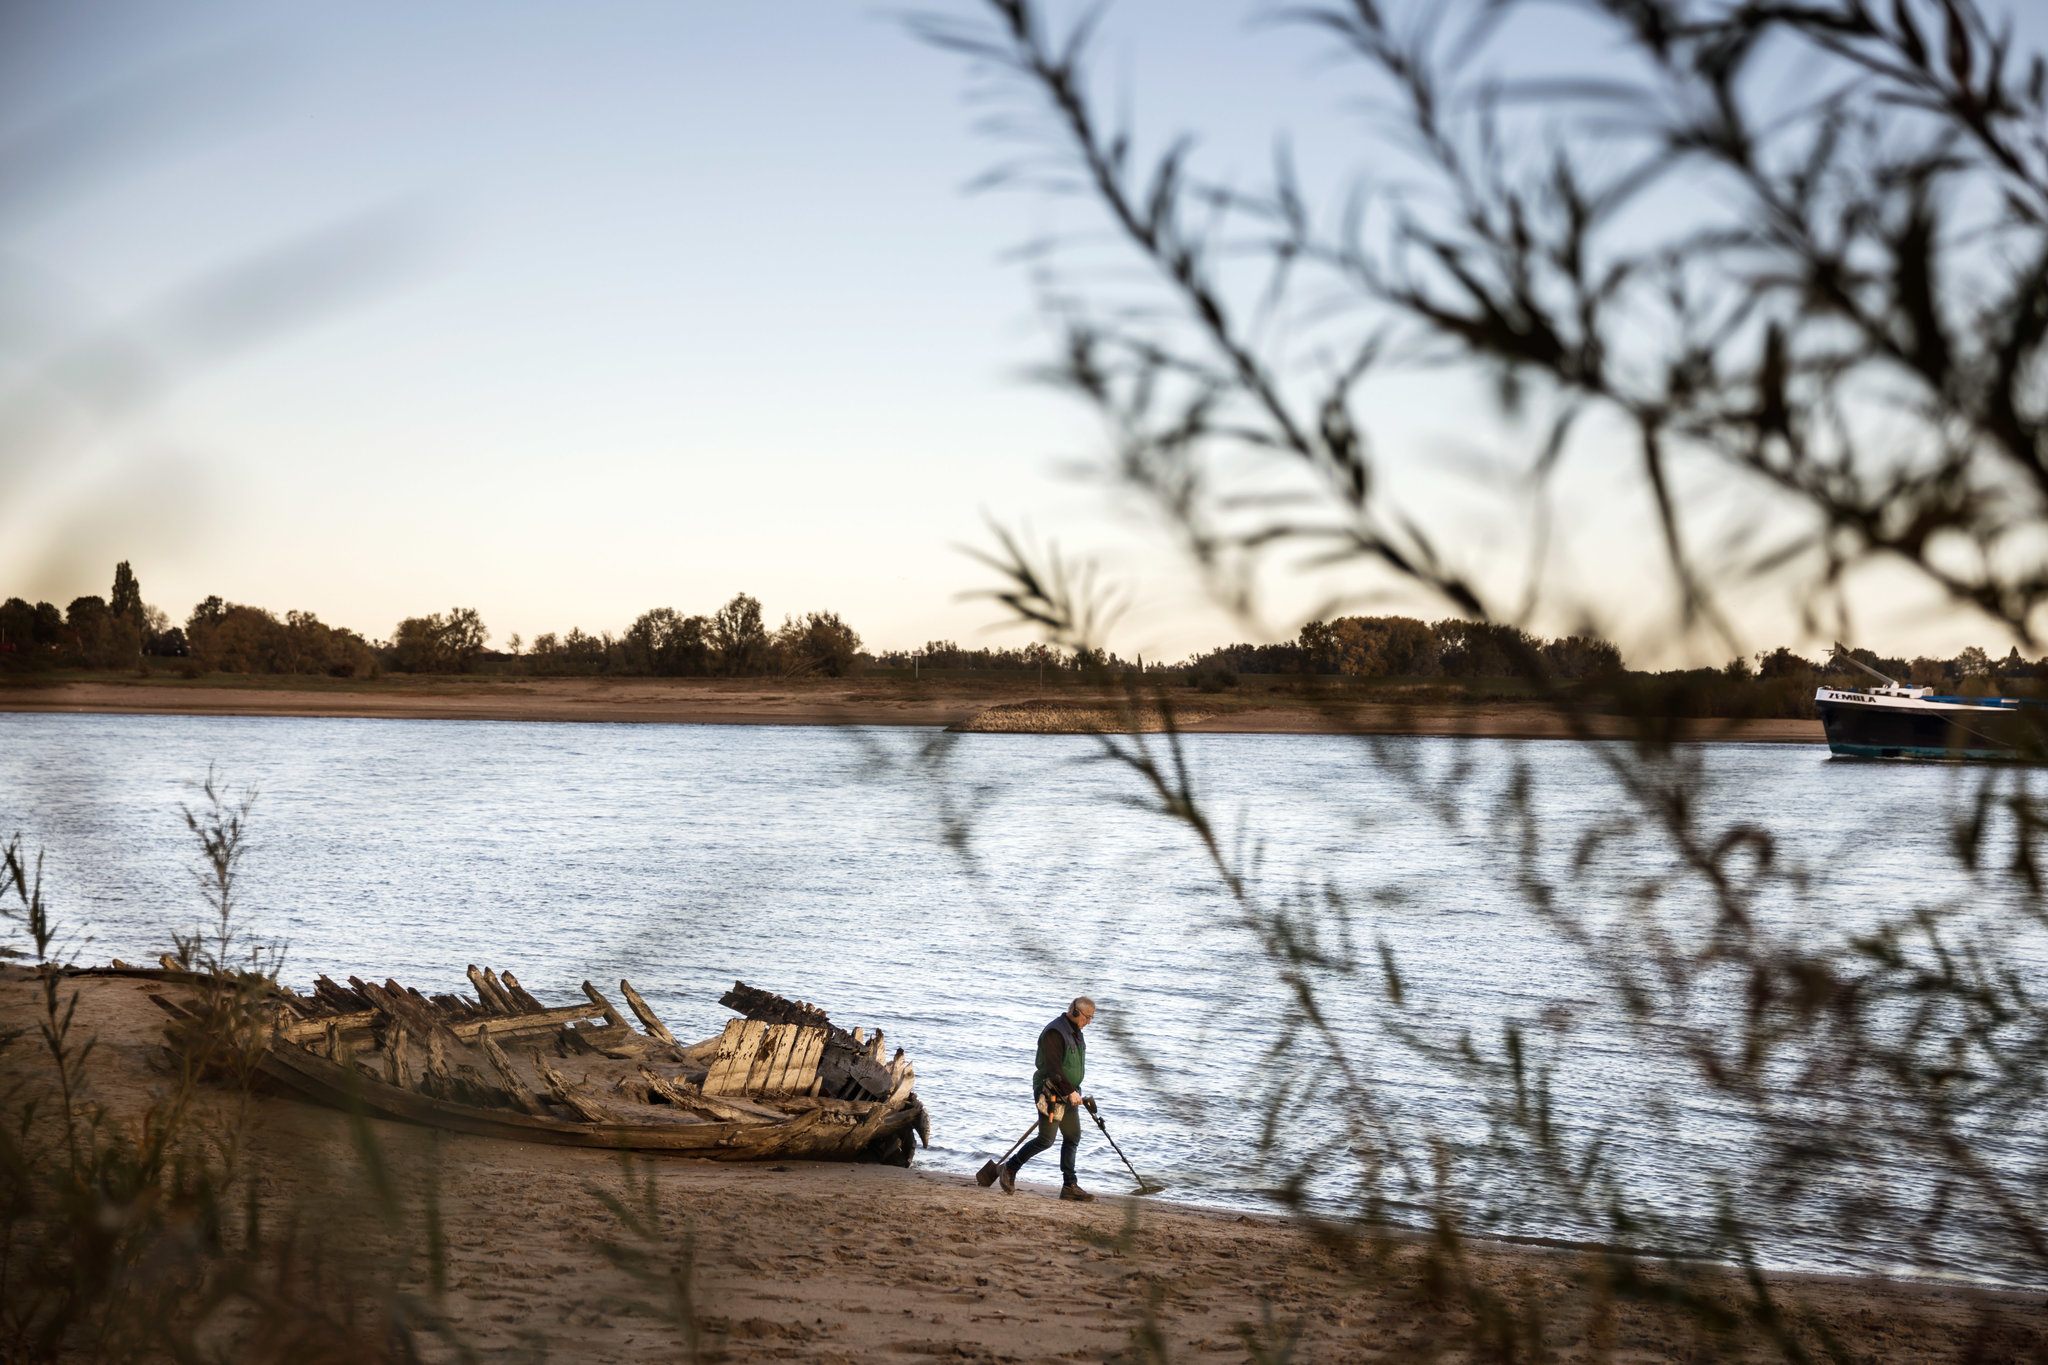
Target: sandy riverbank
{"x":701,"y":701}
{"x":841,"y":1263}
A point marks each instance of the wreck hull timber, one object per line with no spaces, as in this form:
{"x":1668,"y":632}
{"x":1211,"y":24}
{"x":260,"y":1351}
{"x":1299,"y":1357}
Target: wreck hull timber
{"x":798,"y":1088}
{"x":809,"y":1136}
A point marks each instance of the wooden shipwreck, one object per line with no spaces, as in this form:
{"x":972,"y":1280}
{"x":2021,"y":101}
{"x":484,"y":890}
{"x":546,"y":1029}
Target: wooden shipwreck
{"x":781,"y":1081}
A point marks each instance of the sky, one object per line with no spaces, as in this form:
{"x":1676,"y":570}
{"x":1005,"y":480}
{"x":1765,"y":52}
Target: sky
{"x":568,"y":311}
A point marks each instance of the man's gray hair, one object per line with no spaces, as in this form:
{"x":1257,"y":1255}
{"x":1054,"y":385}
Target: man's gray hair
{"x":1082,"y":1005}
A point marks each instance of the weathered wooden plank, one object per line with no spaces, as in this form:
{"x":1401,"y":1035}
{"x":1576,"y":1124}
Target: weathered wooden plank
{"x":504,"y":996}
{"x":670,"y":1090}
{"x":488,"y":991}
{"x":516,"y":1089}
{"x":803,"y":1071}
{"x":394,"y":1004}
{"x":622,"y":1043}
{"x":802,"y":1067}
{"x":526,"y":1003}
{"x":869,"y":1128}
{"x":721,"y":1057}
{"x":681,"y":1095}
{"x":719,"y":1080}
{"x":761,"y":1073}
{"x":753,"y":1038}
{"x":646,"y":1016}
{"x":767,"y":1075}
{"x":302,"y":1030}
{"x":736,"y":1053}
{"x":323,"y":1081}
{"x":806,"y":1079}
{"x":437,"y":1059}
{"x":853,"y":1075}
{"x":339,"y":998}
{"x":465,"y":1074}
{"x":611,"y":1016}
{"x":778,"y":1139}
{"x":398,"y":1058}
{"x":790,"y":1065}
{"x":466,"y":1030}
{"x":574,"y":1097}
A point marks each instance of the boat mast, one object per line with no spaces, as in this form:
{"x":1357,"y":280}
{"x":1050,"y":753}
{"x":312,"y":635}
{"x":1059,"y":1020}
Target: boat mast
{"x":1842,"y":652}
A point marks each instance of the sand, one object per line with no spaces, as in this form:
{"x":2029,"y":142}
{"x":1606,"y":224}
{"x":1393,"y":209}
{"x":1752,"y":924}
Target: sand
{"x":839,"y":1263}
{"x":705,"y":701}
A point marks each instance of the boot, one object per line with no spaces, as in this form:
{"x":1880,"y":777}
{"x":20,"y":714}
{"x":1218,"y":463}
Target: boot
{"x":1007,"y":1178}
{"x":1076,"y":1193}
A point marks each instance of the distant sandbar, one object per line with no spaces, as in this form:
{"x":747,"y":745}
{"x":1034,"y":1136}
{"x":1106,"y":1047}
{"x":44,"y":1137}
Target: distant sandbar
{"x":715,"y":701}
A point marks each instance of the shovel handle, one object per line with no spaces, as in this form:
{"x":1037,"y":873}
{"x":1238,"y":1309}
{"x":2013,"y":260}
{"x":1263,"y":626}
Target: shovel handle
{"x":1020,"y":1140}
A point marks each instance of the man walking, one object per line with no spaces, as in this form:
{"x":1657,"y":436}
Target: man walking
{"x":1056,"y":1086}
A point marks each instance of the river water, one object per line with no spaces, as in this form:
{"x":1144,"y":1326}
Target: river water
{"x":958,"y":902}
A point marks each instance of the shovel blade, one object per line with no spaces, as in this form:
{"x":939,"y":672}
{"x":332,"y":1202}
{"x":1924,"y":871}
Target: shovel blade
{"x":986,"y":1176}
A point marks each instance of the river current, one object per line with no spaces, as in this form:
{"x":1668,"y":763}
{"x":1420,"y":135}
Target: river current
{"x":958,"y":904}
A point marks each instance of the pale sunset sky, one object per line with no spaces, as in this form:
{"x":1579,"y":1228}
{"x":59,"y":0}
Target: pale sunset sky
{"x":565,"y":311}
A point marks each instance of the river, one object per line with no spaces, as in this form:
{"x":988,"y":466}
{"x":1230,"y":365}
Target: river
{"x":959,"y":903}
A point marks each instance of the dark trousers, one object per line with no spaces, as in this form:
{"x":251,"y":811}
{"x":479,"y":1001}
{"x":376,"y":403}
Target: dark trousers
{"x":1070,"y":1140}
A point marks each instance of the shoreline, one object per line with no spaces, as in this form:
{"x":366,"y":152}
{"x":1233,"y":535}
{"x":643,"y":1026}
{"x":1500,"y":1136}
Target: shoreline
{"x":837,"y":1262}
{"x":848,"y":702}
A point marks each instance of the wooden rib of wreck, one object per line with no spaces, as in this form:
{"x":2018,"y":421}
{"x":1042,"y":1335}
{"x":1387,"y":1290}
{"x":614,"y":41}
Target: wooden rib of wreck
{"x":781,"y":1081}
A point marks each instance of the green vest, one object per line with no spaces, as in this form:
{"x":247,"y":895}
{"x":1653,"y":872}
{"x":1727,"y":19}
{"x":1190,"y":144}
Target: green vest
{"x":1074,"y":1066}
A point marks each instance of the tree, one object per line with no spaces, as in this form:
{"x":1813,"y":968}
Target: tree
{"x":816,"y":643}
{"x":207,"y":612}
{"x":1370,"y":646}
{"x":228,"y":637}
{"x":1819,"y":301}
{"x":126,"y":600}
{"x":463,"y":637}
{"x":739,"y":642}
{"x":128,"y":627}
{"x":97,"y":638}
{"x":416,"y":645}
{"x":574,"y":654}
{"x":665,"y":643}
{"x":438,"y":643}
{"x":17,"y":631}
{"x":85,"y":614}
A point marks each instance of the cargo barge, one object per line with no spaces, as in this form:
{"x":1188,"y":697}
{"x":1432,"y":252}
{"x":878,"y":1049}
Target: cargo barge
{"x":1896,"y":720}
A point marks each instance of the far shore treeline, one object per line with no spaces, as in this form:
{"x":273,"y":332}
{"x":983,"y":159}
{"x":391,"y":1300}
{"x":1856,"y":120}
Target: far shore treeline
{"x":1441,"y":661}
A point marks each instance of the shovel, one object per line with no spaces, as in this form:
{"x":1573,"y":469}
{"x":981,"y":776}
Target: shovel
{"x":986,"y":1176}
{"x":1144,"y":1186}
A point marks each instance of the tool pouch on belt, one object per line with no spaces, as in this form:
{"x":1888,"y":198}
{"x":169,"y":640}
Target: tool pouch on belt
{"x":1052,"y":1110}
